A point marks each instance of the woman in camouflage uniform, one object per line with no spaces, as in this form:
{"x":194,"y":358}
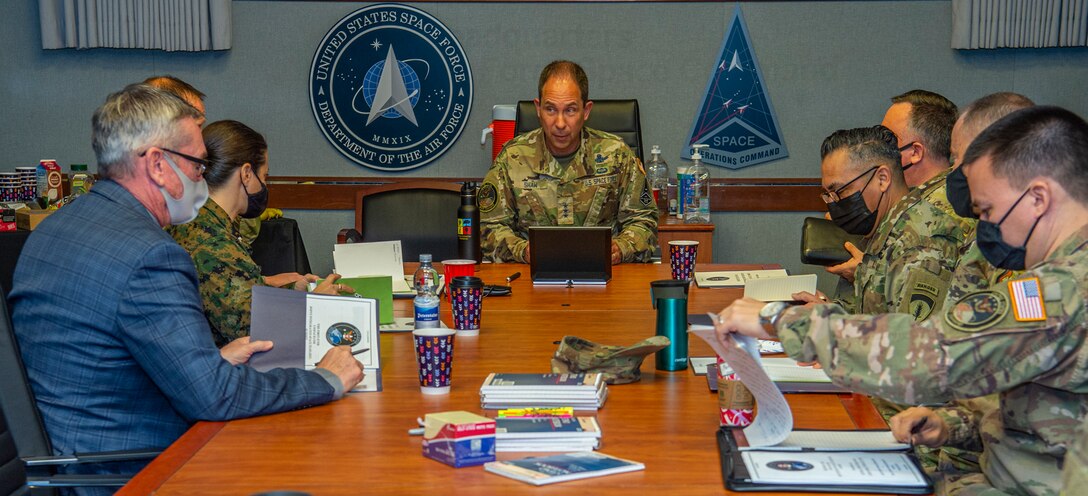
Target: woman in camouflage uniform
{"x":236,"y":175}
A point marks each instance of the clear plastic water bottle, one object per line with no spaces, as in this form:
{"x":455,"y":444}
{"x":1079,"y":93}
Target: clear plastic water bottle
{"x":697,"y":189}
{"x":657,"y":174}
{"x":426,"y":301}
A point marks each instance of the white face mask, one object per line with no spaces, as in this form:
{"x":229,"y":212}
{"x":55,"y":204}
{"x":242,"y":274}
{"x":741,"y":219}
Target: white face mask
{"x":193,"y":196}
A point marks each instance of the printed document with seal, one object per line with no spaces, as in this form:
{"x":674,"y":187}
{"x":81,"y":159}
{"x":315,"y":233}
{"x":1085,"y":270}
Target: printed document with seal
{"x":769,"y":455}
{"x":304,"y":326}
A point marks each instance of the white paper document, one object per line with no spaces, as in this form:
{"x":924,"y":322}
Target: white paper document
{"x":734,"y":278}
{"x":787,"y":370}
{"x":779,"y":288}
{"x":849,"y":468}
{"x":382,"y":258}
{"x":836,"y":441}
{"x":775,"y":420}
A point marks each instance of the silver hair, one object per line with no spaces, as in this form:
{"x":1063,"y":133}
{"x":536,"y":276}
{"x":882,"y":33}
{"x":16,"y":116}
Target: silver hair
{"x":131,"y":120}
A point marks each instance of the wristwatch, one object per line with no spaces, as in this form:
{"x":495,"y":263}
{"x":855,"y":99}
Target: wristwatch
{"x":768,"y":315}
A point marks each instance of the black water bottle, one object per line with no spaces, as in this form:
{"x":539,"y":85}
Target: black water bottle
{"x":468,"y":225}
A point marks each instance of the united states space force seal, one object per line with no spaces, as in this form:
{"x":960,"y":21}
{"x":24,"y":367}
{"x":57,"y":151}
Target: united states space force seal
{"x":390,"y":87}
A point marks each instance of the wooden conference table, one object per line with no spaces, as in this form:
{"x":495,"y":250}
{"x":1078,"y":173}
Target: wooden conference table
{"x":360,"y":445}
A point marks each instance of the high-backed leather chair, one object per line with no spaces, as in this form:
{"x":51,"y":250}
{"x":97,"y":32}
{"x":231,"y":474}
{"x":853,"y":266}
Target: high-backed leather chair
{"x":421,"y":214}
{"x":619,"y":117}
{"x":25,"y":431}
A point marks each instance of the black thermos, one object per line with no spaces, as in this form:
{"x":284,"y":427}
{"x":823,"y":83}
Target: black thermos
{"x":468,"y":225}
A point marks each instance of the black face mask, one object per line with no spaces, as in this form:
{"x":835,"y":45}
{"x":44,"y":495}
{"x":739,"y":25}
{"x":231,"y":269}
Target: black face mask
{"x":999,"y":253}
{"x":955,"y":188}
{"x":903,"y":149}
{"x":257,"y":202}
{"x":852,"y":214}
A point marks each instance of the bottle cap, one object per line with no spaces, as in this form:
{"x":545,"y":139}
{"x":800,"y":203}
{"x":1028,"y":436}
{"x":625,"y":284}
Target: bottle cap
{"x":424,"y":258}
{"x":656,"y":150}
{"x":79,"y":167}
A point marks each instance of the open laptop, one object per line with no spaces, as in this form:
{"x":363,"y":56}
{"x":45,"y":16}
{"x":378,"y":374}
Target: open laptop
{"x":570,"y":255}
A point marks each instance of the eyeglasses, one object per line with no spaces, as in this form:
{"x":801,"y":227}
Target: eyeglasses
{"x":906,"y":146}
{"x":834,"y":196}
{"x":201,"y":164}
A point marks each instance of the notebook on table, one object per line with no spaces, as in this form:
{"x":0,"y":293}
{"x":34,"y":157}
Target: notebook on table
{"x":570,"y":255}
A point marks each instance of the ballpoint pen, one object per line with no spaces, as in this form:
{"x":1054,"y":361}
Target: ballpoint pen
{"x":513,"y":276}
{"x":917,"y":428}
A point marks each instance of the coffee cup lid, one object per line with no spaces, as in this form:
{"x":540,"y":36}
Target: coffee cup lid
{"x":466,"y":282}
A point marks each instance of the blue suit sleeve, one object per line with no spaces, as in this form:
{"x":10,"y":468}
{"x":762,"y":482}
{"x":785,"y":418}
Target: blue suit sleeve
{"x":164,"y":327}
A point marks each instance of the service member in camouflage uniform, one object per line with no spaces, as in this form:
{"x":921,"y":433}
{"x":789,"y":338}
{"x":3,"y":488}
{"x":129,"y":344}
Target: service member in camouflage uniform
{"x":237,"y":161}
{"x":960,"y":453}
{"x":1023,"y":339}
{"x":922,"y":122}
{"x":566,"y":174}
{"x":911,"y":251}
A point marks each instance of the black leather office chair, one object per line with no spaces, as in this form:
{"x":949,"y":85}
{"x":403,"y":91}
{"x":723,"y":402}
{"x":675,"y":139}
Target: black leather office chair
{"x":24,"y":431}
{"x":421,"y":214}
{"x":619,"y":117}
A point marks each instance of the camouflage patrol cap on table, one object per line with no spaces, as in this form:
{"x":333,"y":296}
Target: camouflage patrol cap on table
{"x":618,"y":364}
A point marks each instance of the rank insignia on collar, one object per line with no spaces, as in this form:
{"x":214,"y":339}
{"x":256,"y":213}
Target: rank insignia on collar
{"x":977,"y":311}
{"x":1027,"y":300}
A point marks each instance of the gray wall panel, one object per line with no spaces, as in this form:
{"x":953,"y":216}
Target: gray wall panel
{"x":828,"y":65}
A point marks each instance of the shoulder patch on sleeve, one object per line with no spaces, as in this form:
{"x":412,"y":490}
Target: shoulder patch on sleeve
{"x":977,"y":311}
{"x":646,"y":198}
{"x":487,"y":197}
{"x":1027,"y":300}
{"x":926,"y":291}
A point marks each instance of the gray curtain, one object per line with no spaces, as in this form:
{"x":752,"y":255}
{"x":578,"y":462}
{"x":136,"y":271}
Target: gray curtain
{"x":171,"y":25}
{"x":1019,"y":23}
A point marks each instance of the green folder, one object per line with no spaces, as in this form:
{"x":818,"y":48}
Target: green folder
{"x":377,"y":287}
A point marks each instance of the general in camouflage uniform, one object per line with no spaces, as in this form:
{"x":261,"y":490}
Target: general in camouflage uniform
{"x":225,"y":269}
{"x":602,"y":185}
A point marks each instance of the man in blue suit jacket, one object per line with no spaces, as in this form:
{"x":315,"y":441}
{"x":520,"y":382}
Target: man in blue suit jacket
{"x":107,"y":309}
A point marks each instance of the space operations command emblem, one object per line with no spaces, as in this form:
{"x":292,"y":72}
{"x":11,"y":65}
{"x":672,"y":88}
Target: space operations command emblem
{"x":390,"y":87}
{"x":736,"y":120}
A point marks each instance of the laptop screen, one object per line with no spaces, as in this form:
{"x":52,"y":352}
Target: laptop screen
{"x":570,"y":255}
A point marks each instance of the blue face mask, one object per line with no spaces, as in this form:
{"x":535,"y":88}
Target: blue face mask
{"x":999,"y":253}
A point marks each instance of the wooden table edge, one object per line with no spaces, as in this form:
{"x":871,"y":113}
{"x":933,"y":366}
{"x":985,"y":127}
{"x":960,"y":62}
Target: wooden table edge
{"x":172,"y":459}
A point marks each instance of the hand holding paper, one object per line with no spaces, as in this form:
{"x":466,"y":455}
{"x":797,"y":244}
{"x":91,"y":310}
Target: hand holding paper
{"x":238,"y":351}
{"x":775,"y":420}
{"x":741,"y":316}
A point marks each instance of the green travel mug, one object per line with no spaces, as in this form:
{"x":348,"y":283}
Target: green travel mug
{"x":670,"y":300}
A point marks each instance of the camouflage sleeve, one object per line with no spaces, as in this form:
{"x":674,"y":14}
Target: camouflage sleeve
{"x":963,"y":417}
{"x":973,"y":349}
{"x":1075,"y":471}
{"x":226,"y":289}
{"x":637,"y":214}
{"x":498,"y":216}
{"x":918,"y":276}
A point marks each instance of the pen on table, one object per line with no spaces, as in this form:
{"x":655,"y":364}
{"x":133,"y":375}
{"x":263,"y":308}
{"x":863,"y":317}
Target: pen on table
{"x":917,"y":428}
{"x":513,"y":276}
{"x":419,"y":431}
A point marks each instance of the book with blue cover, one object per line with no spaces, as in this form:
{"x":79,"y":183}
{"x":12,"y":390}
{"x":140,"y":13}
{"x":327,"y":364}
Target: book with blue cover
{"x":540,"y":470}
{"x":511,"y":428}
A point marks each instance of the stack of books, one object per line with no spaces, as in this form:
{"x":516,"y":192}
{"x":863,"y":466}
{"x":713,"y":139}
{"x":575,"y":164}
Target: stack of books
{"x":547,"y":434}
{"x":581,"y":391}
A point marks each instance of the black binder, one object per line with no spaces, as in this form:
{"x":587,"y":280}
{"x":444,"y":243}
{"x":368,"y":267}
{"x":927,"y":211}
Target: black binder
{"x":736,"y":478}
{"x":822,"y":242}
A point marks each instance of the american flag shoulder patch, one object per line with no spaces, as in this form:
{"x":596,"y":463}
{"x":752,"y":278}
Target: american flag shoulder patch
{"x":1027,"y":300}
